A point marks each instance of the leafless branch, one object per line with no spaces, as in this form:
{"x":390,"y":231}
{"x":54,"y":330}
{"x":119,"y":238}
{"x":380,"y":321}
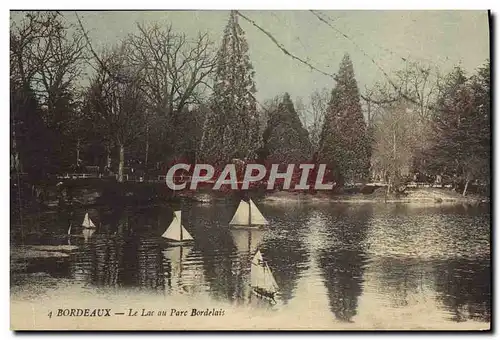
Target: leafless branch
{"x":172,"y":67}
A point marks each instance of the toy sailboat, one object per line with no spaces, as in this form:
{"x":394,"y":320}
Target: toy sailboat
{"x":176,"y":233}
{"x":262,"y":279}
{"x":88,"y":227}
{"x":87,"y":222}
{"x":248,"y":215}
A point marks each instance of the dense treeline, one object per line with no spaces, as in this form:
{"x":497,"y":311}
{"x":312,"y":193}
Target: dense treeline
{"x":160,"y":96}
{"x":438,"y":130}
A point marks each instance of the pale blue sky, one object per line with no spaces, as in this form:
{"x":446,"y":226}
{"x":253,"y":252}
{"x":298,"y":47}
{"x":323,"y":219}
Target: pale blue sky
{"x":445,"y":38}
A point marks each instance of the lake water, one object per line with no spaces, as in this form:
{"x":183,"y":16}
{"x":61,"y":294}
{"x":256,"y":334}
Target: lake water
{"x":338,"y":266}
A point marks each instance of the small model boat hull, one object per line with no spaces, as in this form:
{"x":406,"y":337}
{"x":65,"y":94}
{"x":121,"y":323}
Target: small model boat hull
{"x":247,"y":226}
{"x":177,"y":243}
{"x":264,"y":293}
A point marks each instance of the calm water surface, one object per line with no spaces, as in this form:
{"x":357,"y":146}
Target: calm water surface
{"x":350,"y":263}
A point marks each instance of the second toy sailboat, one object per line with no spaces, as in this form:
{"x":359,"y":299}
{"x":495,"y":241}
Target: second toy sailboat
{"x":88,"y":227}
{"x":176,"y":233}
{"x":248,"y":215}
{"x":262,"y":279}
{"x":87,"y":222}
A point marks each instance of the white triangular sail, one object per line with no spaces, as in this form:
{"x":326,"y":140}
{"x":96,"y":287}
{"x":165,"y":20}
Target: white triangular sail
{"x":87,"y":222}
{"x":261,"y":275}
{"x":173,"y":231}
{"x":256,"y":216}
{"x":258,"y":259}
{"x":242,"y":214}
{"x":176,"y":230}
{"x":270,"y":282}
{"x":185,"y":234}
{"x":257,"y":271}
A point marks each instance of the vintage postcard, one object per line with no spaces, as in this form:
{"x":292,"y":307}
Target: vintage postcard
{"x":250,"y":170}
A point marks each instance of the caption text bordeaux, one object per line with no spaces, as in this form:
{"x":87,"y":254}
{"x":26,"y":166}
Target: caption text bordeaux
{"x":107,"y":312}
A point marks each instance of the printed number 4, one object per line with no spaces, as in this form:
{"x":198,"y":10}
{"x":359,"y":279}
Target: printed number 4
{"x":50,"y":314}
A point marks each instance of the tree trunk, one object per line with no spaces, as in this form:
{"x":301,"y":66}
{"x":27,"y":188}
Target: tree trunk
{"x":77,"y":153}
{"x":121,"y":163}
{"x":369,"y":113}
{"x":388,"y":190}
{"x":466,"y":186}
{"x":147,"y":148}
{"x":394,"y":147}
{"x":16,"y":162}
{"x":108,"y":159}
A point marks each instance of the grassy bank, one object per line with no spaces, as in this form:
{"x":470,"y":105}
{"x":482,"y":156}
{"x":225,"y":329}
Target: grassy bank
{"x":104,"y":192}
{"x":421,"y":195}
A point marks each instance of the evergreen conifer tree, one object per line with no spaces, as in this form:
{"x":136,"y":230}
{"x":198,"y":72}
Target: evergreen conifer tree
{"x":232,"y":128}
{"x":344,"y":142}
{"x":461,"y":143}
{"x":285,"y":139}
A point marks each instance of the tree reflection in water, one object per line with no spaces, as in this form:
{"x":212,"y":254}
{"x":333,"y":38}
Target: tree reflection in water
{"x":221,"y":266}
{"x":342,"y":261}
{"x":285,"y":248}
{"x":463,"y":286}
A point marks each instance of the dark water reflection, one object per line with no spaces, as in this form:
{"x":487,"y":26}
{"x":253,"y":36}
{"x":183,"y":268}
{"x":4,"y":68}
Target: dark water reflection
{"x":343,"y":259}
{"x":464,"y":288}
{"x":396,"y":255}
{"x":285,"y":248}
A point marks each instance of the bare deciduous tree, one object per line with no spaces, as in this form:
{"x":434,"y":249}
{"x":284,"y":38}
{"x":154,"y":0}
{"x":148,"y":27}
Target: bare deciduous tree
{"x":173,"y":67}
{"x":174,"y":72}
{"x":394,"y":140}
{"x":312,"y":114}
{"x":46,"y":61}
{"x":418,"y":82}
{"x":117,"y":103}
{"x":46,"y":58}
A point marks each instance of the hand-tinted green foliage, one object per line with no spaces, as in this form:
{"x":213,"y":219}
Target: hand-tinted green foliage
{"x":344,"y":142}
{"x":461,"y":142}
{"x":232,"y":129}
{"x":285,"y":139}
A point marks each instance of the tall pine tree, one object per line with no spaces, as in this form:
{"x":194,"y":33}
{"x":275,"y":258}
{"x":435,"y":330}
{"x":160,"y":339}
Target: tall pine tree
{"x":286,"y":141}
{"x":461,"y":142}
{"x":452,"y":107}
{"x":232,"y":128}
{"x":481,"y":91}
{"x":344,"y":142}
